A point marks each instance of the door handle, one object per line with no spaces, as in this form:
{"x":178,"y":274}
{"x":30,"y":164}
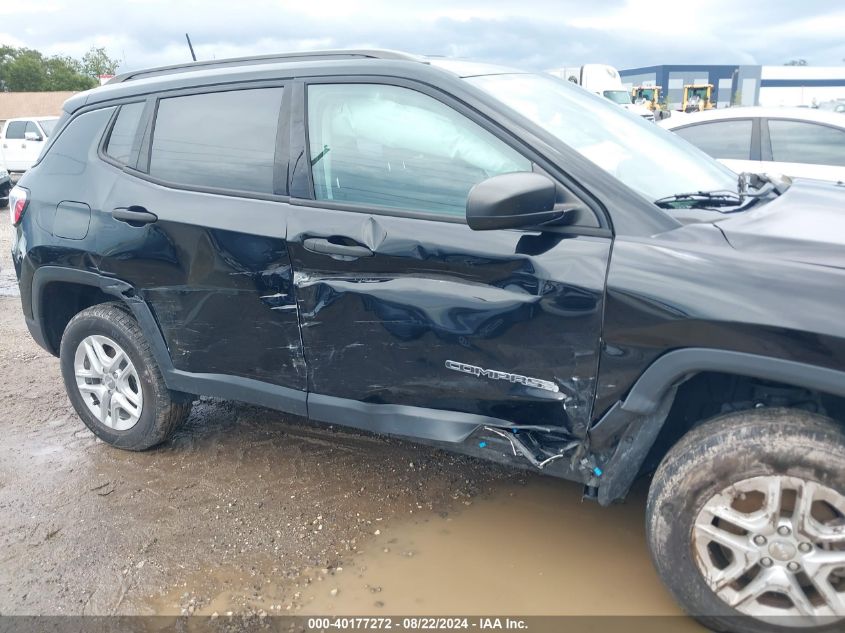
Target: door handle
{"x":323,"y":246}
{"x":134,"y":216}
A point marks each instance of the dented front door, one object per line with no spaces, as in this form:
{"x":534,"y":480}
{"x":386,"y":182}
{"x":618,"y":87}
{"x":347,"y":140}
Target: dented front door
{"x":400,"y":302}
{"x":500,"y":323}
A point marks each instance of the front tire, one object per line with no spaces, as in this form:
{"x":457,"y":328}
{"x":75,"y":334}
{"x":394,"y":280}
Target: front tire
{"x":113,"y":381}
{"x":746,"y":522}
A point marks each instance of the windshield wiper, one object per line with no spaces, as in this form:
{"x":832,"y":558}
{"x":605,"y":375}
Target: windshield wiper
{"x":750,"y":189}
{"x":698,"y":199}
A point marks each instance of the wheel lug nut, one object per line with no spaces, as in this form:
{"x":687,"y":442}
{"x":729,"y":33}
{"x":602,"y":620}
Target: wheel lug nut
{"x":805,"y":547}
{"x":793,"y":566}
{"x":766,"y":562}
{"x":784,"y":530}
{"x":759,"y":540}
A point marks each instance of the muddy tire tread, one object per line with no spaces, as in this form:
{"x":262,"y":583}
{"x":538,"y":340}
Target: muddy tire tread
{"x":741,"y":445}
{"x":171,"y":408}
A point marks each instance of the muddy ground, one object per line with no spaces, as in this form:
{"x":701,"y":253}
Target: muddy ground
{"x":250,"y":510}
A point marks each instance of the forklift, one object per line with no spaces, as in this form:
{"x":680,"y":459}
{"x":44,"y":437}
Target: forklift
{"x":649,"y":96}
{"x":697,"y":97}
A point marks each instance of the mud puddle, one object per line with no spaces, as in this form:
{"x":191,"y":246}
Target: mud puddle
{"x":528,"y":549}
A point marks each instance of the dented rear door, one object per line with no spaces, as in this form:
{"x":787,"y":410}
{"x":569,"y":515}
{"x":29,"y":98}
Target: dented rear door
{"x":213,"y":265}
{"x":411,"y":307}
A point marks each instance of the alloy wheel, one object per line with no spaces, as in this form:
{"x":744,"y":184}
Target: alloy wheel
{"x":774,"y":546}
{"x":108,"y":382}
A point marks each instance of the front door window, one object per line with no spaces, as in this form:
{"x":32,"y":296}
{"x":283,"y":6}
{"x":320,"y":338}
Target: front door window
{"x":393,"y":147}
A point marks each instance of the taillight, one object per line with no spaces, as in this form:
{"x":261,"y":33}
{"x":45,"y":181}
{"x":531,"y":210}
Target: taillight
{"x":18,"y":201}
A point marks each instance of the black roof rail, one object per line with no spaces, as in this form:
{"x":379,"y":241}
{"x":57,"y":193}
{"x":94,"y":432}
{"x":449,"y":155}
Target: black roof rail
{"x":269,"y":59}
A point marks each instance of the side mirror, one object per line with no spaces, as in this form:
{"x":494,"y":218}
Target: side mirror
{"x":512,"y":201}
{"x":32,"y":136}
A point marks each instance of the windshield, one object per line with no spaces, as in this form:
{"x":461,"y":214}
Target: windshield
{"x":647,"y":158}
{"x":48,"y":125}
{"x":617,"y":96}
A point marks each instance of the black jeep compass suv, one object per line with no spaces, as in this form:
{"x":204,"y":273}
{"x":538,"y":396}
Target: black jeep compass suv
{"x":493,"y":261}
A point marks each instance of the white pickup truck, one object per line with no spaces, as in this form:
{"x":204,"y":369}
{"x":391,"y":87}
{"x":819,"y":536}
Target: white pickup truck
{"x":22,"y":139}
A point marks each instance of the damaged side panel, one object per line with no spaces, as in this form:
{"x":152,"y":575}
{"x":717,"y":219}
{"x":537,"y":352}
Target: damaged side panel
{"x":217,"y":276}
{"x":503,"y":324}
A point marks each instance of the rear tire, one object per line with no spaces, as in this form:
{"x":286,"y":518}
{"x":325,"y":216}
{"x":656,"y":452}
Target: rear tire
{"x":719,"y":504}
{"x":113,"y":381}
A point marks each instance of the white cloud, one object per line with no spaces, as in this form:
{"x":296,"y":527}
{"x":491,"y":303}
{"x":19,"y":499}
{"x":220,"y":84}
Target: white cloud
{"x":531,"y":33}
{"x":11,"y":40}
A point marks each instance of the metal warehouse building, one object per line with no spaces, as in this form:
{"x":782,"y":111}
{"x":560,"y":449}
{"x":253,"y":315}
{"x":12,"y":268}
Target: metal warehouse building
{"x":745,"y":85}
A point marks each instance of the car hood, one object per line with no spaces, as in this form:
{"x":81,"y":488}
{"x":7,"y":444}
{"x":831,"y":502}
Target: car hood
{"x":804,"y":224}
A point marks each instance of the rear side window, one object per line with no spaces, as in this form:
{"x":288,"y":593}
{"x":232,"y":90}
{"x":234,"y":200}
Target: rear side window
{"x":16,"y":129}
{"x":721,"y":139}
{"x":803,"y":142}
{"x":123,"y":134}
{"x":225,"y":140}
{"x":386,"y":146}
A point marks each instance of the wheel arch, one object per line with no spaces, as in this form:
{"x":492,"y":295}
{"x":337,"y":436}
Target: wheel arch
{"x":216,"y":385}
{"x":627,"y":432}
{"x":87,"y":288}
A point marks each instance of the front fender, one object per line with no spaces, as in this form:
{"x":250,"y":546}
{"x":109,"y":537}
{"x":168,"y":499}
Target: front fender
{"x":638,"y":419}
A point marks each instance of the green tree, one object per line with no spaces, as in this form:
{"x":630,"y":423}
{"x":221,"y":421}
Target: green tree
{"x":24,"y":69}
{"x":6,"y":52}
{"x":97,"y":62}
{"x":65,"y":73}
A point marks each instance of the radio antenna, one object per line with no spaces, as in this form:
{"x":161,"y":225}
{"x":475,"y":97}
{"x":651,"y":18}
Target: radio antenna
{"x":191,"y":46}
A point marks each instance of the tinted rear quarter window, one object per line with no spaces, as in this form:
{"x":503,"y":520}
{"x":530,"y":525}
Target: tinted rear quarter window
{"x":225,"y":140}
{"x":65,"y":160}
{"x":123,"y":134}
{"x":720,"y":139}
{"x":804,"y":142}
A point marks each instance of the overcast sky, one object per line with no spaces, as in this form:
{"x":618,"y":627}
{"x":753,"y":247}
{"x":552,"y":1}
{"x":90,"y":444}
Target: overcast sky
{"x":535,"y":34}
